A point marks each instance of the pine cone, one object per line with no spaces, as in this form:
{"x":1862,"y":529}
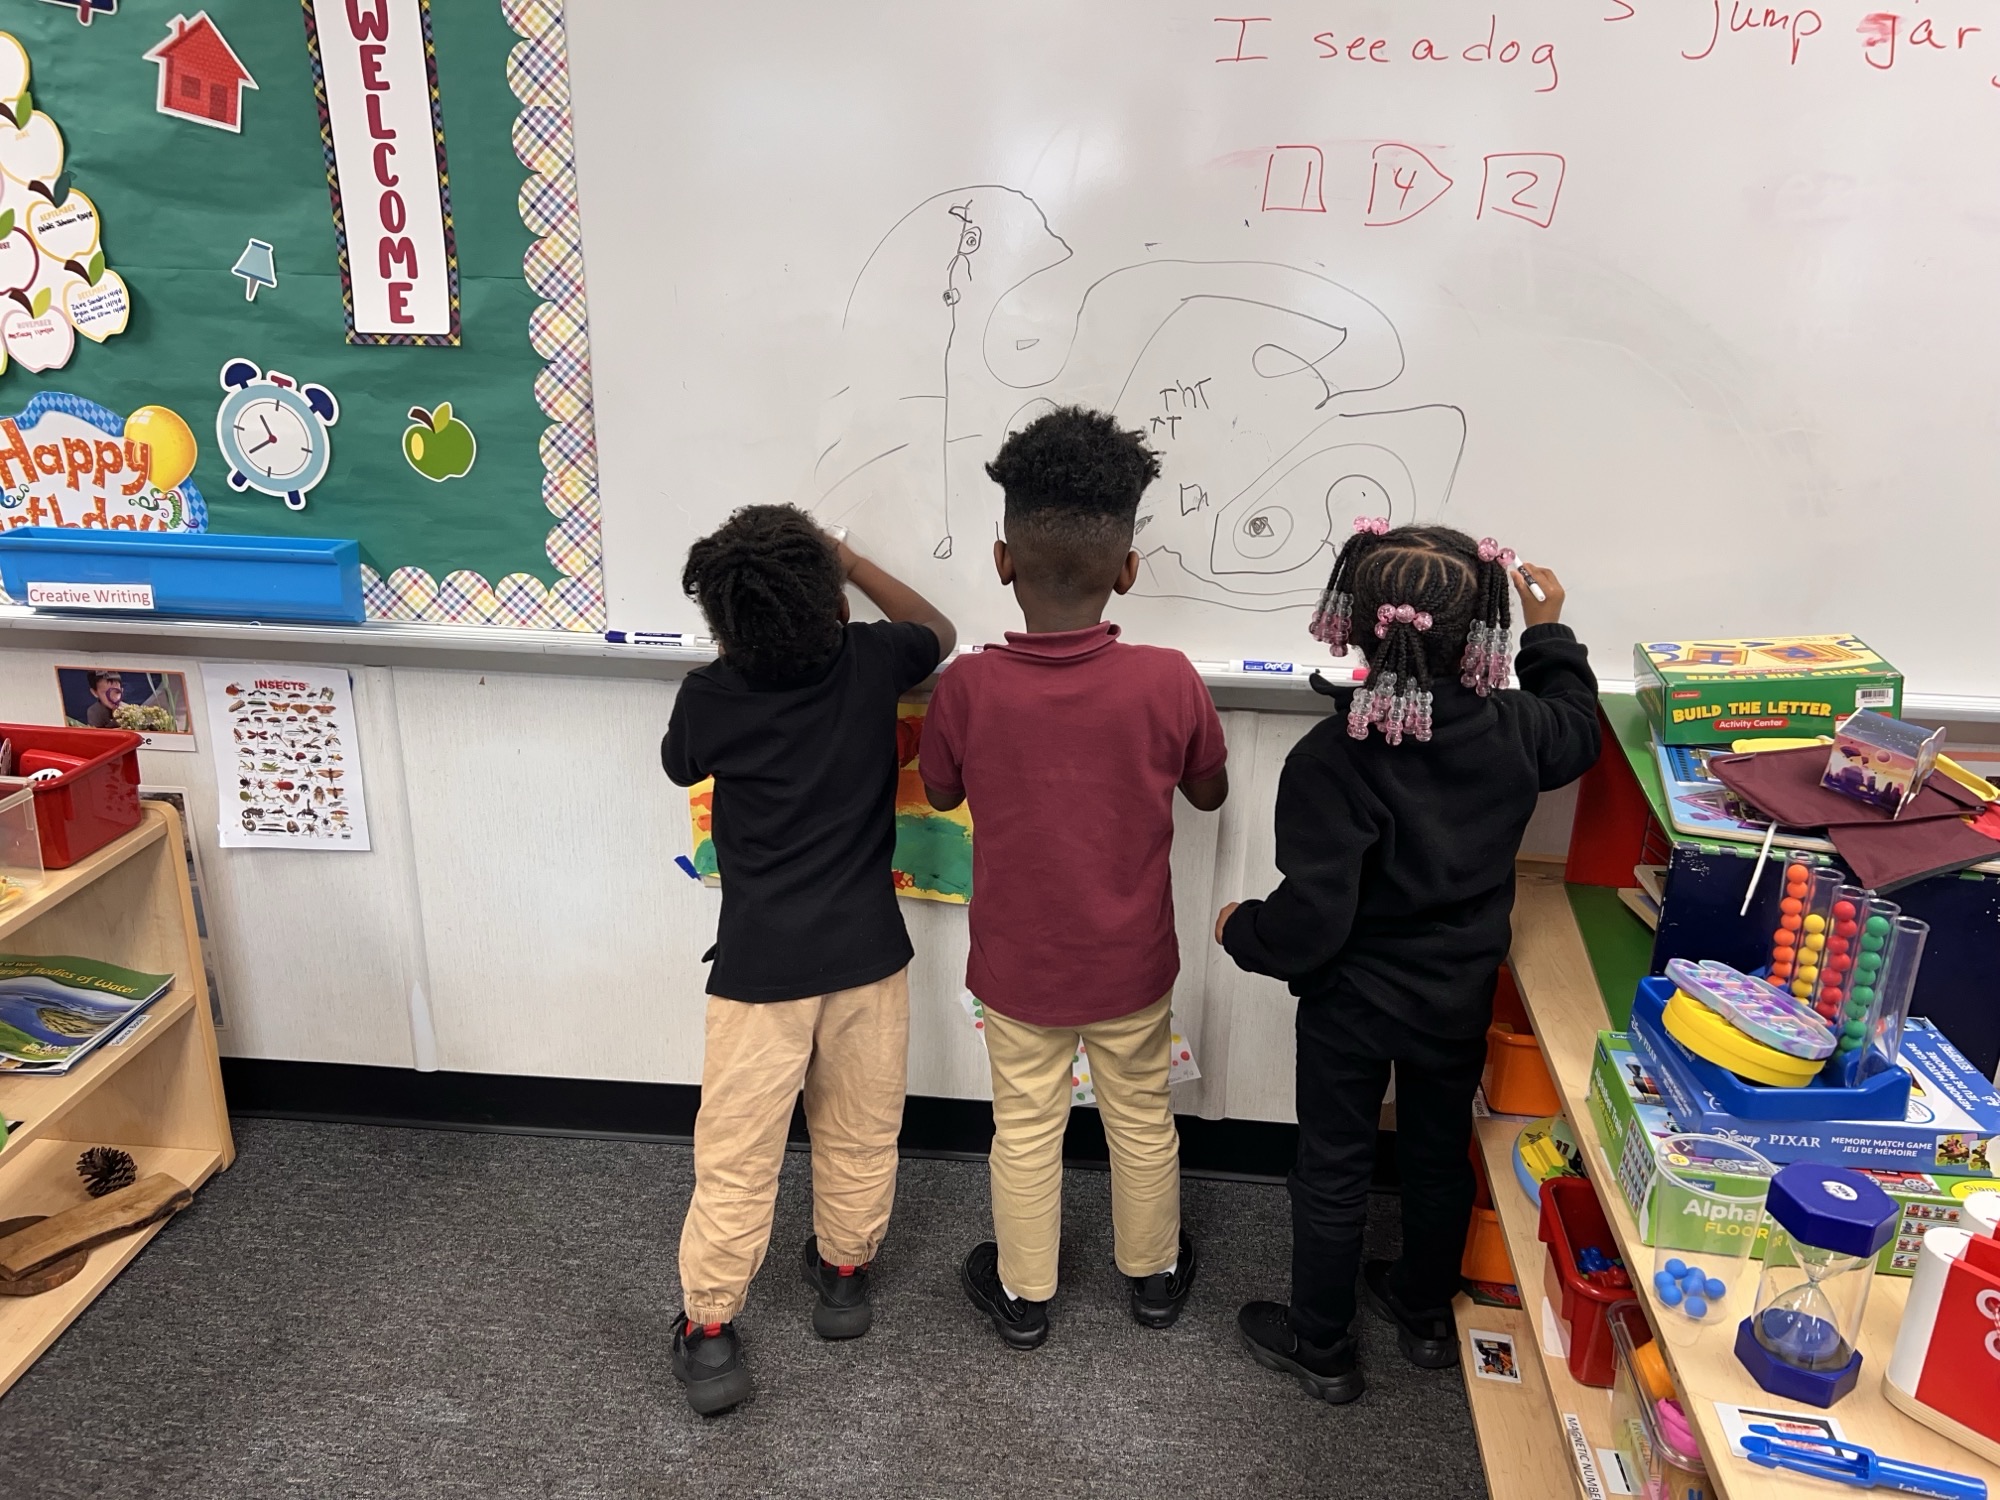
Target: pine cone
{"x":106,"y":1169}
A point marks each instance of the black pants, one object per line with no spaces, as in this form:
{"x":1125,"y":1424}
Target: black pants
{"x":1345,"y":1053}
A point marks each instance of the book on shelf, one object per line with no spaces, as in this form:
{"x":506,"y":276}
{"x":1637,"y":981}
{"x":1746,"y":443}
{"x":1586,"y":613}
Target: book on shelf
{"x":55,"y":1010}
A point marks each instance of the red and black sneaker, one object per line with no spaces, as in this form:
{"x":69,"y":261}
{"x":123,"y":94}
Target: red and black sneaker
{"x":843,"y":1310}
{"x":708,"y":1360}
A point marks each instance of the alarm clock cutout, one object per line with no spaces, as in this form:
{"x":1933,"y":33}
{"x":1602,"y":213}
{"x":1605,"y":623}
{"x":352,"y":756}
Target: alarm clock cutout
{"x":273,"y":431}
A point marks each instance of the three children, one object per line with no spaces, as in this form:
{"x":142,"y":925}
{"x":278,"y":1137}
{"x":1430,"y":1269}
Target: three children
{"x":1398,"y":824}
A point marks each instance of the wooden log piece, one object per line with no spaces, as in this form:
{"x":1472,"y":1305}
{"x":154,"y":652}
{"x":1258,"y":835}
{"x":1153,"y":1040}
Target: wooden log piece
{"x":89,"y":1224}
{"x":50,"y":1276}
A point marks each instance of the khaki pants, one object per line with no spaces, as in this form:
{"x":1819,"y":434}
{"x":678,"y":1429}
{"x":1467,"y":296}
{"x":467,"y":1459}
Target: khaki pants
{"x":850,"y":1052}
{"x":1031,"y":1097}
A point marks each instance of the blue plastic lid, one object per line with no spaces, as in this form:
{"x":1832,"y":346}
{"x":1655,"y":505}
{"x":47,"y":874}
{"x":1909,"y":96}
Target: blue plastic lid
{"x":1832,"y":1208}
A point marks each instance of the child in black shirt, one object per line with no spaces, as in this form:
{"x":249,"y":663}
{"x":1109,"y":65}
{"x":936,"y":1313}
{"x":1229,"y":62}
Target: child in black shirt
{"x":797,"y":724}
{"x":1398,"y":823}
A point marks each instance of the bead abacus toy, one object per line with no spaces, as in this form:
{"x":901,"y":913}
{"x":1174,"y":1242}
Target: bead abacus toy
{"x":1805,"y":915}
{"x":1761,"y":1011}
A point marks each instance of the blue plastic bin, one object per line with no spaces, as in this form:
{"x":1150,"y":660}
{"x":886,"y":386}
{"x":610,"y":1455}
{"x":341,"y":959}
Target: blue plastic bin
{"x":195,"y":573}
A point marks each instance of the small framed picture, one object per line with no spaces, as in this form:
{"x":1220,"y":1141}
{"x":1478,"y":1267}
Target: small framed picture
{"x":152,"y":703}
{"x":1493,"y":1356}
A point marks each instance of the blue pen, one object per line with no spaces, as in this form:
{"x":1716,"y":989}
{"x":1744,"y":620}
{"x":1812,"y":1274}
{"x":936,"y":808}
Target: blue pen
{"x":1851,"y":1464}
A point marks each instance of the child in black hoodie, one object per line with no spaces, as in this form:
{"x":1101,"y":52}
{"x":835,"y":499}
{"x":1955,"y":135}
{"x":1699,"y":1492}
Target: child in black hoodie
{"x":1398,"y":823}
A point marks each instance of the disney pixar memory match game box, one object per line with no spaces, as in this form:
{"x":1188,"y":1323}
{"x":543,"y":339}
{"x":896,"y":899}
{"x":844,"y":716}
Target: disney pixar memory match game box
{"x":1713,"y":692}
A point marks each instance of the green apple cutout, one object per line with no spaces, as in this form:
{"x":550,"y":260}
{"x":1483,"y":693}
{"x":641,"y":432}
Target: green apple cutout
{"x":439,"y":447}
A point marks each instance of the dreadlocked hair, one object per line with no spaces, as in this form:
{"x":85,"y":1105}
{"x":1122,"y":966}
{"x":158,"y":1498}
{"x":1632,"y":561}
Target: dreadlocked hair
{"x":771,"y":589}
{"x":1416,"y":600}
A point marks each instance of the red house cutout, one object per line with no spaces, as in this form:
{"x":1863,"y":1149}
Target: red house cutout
{"x":201,"y":77}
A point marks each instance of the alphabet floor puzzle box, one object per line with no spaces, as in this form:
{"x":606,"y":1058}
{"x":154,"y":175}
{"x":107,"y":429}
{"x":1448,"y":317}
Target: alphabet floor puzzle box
{"x":1712,"y":692}
{"x":1632,"y":1115}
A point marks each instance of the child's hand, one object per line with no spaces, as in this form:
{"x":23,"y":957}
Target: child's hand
{"x":1546,"y":610}
{"x":1222,"y":918}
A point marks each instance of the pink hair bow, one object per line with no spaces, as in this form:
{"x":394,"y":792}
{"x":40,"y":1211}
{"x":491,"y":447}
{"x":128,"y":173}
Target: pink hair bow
{"x":1379,"y":525}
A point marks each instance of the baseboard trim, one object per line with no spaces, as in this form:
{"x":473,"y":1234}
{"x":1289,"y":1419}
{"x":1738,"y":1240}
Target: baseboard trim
{"x":347,"y":1093}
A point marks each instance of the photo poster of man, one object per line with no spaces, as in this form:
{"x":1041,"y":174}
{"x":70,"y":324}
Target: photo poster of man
{"x":152,"y":703}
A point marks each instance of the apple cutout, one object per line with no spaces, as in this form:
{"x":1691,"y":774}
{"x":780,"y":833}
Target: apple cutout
{"x":101,"y":310}
{"x":20,"y":261}
{"x":440,"y":446}
{"x":13,"y":67}
{"x":66,"y":230}
{"x":37,"y":344}
{"x":31,"y":152}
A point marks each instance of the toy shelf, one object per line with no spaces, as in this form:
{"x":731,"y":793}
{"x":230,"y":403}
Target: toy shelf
{"x":158,"y":1095}
{"x":1560,"y":993}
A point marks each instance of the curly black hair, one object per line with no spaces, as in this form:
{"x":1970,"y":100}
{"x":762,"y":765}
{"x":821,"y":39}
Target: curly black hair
{"x":1434,"y":569}
{"x":771,"y":589}
{"x":1073,"y":478}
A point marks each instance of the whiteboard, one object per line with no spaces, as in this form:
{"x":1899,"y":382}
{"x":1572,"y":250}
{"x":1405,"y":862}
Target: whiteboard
{"x":1701,"y":313}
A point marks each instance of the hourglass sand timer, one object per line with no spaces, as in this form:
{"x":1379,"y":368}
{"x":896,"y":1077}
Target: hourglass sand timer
{"x":1827,"y":1225}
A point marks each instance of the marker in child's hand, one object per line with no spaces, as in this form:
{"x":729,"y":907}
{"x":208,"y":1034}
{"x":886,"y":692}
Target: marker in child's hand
{"x":1533,"y":587}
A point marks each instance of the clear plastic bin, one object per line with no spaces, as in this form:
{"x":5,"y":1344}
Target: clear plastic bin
{"x":20,"y":842}
{"x":1661,"y":1468}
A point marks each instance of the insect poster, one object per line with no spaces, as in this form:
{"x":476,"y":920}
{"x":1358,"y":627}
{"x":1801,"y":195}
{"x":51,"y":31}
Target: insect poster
{"x":287,"y":756}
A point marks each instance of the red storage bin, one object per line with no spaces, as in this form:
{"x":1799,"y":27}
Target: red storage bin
{"x":81,"y":811}
{"x":1573,"y":1219}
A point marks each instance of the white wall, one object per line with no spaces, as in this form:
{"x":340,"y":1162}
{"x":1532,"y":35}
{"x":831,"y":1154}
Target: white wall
{"x":521,"y":911}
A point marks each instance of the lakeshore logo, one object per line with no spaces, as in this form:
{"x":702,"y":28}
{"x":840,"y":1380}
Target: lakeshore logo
{"x":90,"y":595}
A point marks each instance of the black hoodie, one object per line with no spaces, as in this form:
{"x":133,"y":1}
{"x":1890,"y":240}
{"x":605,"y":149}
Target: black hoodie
{"x":1399,"y":859}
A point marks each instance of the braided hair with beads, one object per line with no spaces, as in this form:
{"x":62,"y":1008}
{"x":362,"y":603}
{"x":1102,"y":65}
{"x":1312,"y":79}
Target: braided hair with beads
{"x":773,"y":592}
{"x":1428,"y":599}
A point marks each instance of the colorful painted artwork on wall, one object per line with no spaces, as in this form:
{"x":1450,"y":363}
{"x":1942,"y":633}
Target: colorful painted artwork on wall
{"x":933,"y":860}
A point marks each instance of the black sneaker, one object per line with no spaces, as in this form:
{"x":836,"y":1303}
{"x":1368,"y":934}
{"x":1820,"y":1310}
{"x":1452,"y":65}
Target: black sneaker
{"x":1428,"y":1339}
{"x":1023,"y":1324}
{"x":708,"y":1360}
{"x":842,"y":1311}
{"x":1329,"y":1373}
{"x":1157,"y":1300}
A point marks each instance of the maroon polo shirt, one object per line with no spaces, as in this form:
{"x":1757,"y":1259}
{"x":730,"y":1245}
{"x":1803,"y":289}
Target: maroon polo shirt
{"x":1068,"y":747}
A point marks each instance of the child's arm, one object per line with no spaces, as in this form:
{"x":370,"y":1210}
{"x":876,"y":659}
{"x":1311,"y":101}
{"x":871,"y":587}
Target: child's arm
{"x":1207,"y":749}
{"x":676,"y":753}
{"x":1561,"y":690}
{"x":1323,"y":833}
{"x":895,"y":598}
{"x":941,"y":762}
{"x":1209,"y":793}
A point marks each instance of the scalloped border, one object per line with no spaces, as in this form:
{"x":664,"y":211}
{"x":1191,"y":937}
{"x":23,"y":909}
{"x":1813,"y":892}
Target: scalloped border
{"x":559,"y":330}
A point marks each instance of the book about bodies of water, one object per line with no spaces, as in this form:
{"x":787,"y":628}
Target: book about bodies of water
{"x":56,"y":1010}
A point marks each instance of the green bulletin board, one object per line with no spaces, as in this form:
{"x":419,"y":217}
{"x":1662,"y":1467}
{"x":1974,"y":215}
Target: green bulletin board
{"x":178,"y":201}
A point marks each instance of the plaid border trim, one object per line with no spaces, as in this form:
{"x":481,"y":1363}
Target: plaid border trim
{"x":404,"y":340}
{"x":559,"y":331}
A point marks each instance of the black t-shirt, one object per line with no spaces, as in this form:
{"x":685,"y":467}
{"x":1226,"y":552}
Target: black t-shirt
{"x":804,"y":814}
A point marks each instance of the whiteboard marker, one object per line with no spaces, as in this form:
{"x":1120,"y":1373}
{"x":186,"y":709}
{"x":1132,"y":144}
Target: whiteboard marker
{"x":658,"y":638}
{"x":1533,"y":587}
{"x":1263,"y":668}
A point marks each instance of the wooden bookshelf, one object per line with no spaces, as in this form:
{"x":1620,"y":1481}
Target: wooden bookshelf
{"x":1560,"y":993}
{"x":157,"y":1095}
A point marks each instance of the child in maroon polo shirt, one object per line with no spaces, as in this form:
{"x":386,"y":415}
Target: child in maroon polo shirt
{"x":1069,"y":745}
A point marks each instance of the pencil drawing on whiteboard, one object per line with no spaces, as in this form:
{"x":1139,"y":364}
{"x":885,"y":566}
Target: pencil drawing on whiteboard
{"x":1262,"y":386}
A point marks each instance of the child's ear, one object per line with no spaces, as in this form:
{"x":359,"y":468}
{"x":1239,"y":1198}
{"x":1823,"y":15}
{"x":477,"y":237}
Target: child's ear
{"x":1128,"y":574}
{"x":1003,"y":563}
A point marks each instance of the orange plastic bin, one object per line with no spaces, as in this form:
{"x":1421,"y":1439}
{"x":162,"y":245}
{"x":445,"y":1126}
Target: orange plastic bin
{"x":1517,"y":1078}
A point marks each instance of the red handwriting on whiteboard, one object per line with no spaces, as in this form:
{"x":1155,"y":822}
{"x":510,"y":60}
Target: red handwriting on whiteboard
{"x":1292,"y":180}
{"x":1795,"y":25}
{"x":1404,"y":183}
{"x":1492,"y":47}
{"x":1522,"y":185}
{"x":1242,"y":25}
{"x":1881,"y":34}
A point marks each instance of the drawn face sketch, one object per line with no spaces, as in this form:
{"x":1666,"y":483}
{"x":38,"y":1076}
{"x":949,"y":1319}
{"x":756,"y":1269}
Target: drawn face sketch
{"x":902,"y":444}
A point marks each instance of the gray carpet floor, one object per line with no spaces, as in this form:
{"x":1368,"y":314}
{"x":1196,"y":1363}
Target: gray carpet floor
{"x":354,"y":1313}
